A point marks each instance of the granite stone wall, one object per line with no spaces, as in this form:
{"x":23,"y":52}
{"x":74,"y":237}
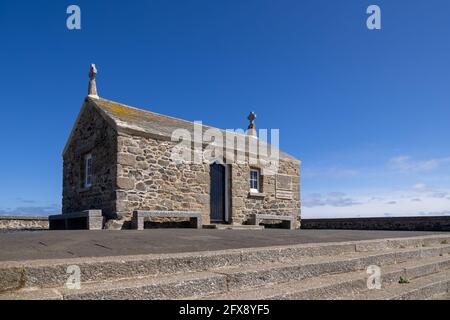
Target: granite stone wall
{"x":434,"y":223}
{"x":244,"y":203}
{"x":92,"y":135}
{"x":147,"y":179}
{"x":23,"y":223}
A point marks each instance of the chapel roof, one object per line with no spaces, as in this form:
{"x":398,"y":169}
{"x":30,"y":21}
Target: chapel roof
{"x":136,"y":120}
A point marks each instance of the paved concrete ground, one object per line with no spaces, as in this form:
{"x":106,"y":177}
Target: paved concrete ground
{"x":16,"y":246}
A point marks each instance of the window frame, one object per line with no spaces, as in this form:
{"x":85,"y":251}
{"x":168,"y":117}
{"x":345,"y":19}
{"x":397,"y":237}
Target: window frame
{"x":88,"y":170}
{"x":257,"y":180}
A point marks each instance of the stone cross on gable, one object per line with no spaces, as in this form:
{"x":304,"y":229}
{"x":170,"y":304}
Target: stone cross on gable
{"x":251,"y":117}
{"x":92,"y":90}
{"x":251,"y":127}
{"x":92,"y":72}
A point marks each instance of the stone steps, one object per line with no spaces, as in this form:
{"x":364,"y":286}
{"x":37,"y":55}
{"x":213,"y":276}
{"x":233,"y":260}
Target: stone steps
{"x":444,"y":296}
{"x":255,"y":276}
{"x":53,"y":273}
{"x":226,"y":279}
{"x":228,"y":273}
{"x":422,"y":288}
{"x":169,"y":287}
{"x":340,"y":285}
{"x":230,"y":280}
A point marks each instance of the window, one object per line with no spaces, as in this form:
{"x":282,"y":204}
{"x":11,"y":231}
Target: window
{"x":88,"y":170}
{"x":254,"y":180}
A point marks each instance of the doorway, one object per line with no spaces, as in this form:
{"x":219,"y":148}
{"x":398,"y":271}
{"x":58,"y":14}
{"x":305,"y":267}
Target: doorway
{"x":218,"y":193}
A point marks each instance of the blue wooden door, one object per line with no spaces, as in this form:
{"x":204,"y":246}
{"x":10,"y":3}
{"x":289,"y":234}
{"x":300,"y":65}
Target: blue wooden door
{"x":217,"y":195}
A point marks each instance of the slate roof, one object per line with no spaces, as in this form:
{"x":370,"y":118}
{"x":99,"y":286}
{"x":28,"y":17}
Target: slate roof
{"x":132,"y":119}
{"x":127,"y":117}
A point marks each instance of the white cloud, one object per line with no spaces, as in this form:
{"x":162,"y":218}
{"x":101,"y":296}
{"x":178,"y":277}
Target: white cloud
{"x":429,"y":191}
{"x":31,"y":210}
{"x":331,"y":172}
{"x":373,"y":193}
{"x":332,"y":199}
{"x":407,"y":164}
{"x":440,"y":195}
{"x":420,"y":187}
{"x":375,"y":204}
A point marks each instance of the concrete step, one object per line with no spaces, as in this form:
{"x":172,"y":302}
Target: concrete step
{"x":337,"y":286}
{"x":423,"y":288}
{"x":53,"y":273}
{"x":444,"y":296}
{"x":238,"y":278}
{"x":151,"y":288}
{"x":232,"y":279}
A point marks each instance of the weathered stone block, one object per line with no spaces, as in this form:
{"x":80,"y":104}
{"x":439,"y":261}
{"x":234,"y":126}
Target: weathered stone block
{"x":126,"y":159}
{"x":141,"y":186}
{"x":125,"y":183}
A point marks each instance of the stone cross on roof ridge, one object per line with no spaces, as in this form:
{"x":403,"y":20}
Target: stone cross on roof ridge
{"x":251,"y":127}
{"x":92,"y":90}
{"x":251,"y":117}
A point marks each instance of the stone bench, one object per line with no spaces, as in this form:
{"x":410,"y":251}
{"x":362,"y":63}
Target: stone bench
{"x":139,"y":215}
{"x":288,"y":222}
{"x":84,"y":220}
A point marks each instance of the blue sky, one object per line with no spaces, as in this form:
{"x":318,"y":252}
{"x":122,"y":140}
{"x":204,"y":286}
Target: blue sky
{"x":367,"y":111}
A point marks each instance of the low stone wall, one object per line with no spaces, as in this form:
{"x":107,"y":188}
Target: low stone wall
{"x":435,"y":223}
{"x":23,"y":222}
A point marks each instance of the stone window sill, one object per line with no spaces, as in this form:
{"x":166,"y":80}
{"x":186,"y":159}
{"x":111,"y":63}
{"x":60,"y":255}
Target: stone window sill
{"x":256,"y":194}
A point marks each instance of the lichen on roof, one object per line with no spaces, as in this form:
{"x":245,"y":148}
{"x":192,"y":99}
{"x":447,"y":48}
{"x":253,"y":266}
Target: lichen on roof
{"x":148,"y":122}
